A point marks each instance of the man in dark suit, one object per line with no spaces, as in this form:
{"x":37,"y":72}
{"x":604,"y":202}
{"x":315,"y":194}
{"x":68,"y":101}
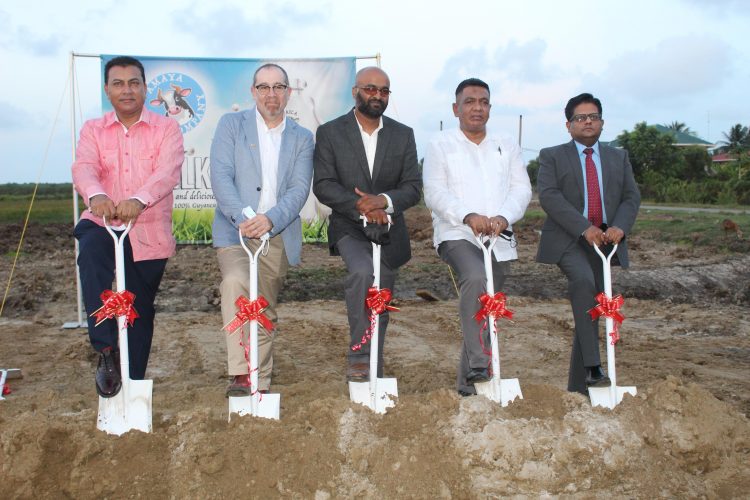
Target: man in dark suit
{"x":365,"y":164}
{"x":590,"y":196}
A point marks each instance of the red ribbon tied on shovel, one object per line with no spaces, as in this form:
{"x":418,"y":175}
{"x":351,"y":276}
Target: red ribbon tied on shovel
{"x":377,"y":301}
{"x":493,"y":305}
{"x":248,"y":310}
{"x":116,"y":304}
{"x":609,"y":308}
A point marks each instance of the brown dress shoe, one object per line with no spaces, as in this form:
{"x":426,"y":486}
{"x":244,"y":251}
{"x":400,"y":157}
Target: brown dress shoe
{"x":358,"y":372}
{"x":240,"y":386}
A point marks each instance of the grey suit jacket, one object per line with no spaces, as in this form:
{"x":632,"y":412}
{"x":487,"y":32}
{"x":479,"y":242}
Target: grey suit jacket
{"x":341,"y":165}
{"x":562,"y":190}
{"x":236,"y":179}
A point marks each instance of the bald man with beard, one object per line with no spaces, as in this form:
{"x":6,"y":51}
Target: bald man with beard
{"x":365,"y":164}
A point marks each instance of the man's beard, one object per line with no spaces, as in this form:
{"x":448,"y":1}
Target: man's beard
{"x":364,"y":107}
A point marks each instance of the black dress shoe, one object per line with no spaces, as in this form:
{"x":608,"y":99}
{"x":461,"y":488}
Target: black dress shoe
{"x":595,"y":377}
{"x":108,"y":380}
{"x":477,"y":375}
{"x":465,"y":394}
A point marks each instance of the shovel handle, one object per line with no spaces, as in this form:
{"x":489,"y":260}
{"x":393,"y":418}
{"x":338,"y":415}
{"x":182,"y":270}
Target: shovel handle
{"x":606,"y":258}
{"x":263,"y":244}
{"x":111,"y":231}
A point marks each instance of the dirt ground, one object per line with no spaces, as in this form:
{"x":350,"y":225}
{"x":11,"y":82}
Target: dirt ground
{"x":684,"y":346}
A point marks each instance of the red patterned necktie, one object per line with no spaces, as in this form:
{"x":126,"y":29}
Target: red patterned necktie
{"x":592,"y":188}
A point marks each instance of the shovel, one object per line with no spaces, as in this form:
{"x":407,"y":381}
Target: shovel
{"x":378,"y":394}
{"x":611,"y":396}
{"x":498,"y":390}
{"x":256,"y":404}
{"x":131,"y":407}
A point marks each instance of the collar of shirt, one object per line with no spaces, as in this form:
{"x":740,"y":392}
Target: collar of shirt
{"x":580,"y":147}
{"x":370,"y":142}
{"x":262,"y":127}
{"x":115,"y":119}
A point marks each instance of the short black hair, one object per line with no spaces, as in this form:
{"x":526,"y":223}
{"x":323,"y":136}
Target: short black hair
{"x":471,"y":82}
{"x":123,"y":61}
{"x":580,"y":99}
{"x":271,"y":65}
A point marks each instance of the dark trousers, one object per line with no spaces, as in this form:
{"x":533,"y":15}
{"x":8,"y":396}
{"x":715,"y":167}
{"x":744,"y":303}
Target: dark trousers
{"x":96,"y":264}
{"x":357,"y":255}
{"x":583,"y":268}
{"x":467,"y":261}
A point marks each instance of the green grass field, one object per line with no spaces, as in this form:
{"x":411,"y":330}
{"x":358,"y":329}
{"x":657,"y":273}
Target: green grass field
{"x":190,"y":225}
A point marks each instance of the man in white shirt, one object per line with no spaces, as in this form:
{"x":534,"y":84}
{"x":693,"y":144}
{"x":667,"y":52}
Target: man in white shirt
{"x":261,"y":169}
{"x":476,"y":184}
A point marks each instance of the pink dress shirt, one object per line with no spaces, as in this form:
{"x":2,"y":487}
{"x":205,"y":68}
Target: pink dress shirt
{"x":143,"y":162}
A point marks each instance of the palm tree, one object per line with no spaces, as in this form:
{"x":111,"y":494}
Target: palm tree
{"x":679,"y":127}
{"x":737,"y":139}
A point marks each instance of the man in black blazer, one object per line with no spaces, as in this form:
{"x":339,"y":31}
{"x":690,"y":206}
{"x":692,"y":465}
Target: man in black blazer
{"x":590,"y":196}
{"x":365,"y":164}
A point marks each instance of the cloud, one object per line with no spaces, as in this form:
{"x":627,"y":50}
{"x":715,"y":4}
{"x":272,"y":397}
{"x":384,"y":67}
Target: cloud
{"x":228,"y":29}
{"x":21,"y":37}
{"x":675,"y":68}
{"x":517,"y":73}
{"x":726,"y":7}
{"x":15,"y":118}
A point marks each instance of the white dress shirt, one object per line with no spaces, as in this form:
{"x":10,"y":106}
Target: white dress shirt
{"x":370,"y":142}
{"x":269,"y":142}
{"x":461,"y":177}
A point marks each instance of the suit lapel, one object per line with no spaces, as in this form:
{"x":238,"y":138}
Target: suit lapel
{"x":250,"y":131}
{"x":355,"y":139}
{"x":285,"y":154}
{"x":575,"y":164}
{"x":606,"y":168}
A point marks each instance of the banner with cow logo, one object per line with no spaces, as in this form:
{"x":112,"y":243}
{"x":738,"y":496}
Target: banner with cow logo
{"x":196,"y":92}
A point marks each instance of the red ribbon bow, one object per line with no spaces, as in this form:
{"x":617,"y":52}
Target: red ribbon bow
{"x":116,"y":304}
{"x":493,"y":305}
{"x":609,"y":308}
{"x":377,"y":301}
{"x":249,"y":310}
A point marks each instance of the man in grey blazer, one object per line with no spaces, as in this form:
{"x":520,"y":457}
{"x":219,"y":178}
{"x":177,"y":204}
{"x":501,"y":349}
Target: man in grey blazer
{"x":590,"y":196}
{"x":261,"y":168}
{"x":366,"y":165}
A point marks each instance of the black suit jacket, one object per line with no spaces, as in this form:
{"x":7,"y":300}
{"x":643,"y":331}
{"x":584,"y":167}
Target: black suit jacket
{"x":562,"y":190}
{"x":340,"y":165}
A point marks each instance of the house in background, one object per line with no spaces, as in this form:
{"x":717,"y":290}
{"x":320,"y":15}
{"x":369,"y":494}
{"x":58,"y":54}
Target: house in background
{"x":681,"y":139}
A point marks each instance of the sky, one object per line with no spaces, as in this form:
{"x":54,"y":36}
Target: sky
{"x":659,"y":62}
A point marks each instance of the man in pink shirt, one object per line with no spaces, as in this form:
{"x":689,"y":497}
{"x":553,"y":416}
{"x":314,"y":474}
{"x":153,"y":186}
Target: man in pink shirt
{"x":127,"y":164}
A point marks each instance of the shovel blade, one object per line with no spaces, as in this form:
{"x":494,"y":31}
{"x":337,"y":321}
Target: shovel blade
{"x":267,"y":406}
{"x":118,"y":415}
{"x":504,"y":393}
{"x":605,"y":397}
{"x":385,"y":389}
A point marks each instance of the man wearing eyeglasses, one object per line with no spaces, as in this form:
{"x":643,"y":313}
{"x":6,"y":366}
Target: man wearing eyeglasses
{"x":261,"y":168}
{"x":366,"y":165}
{"x":476,"y":185}
{"x":590,"y":196}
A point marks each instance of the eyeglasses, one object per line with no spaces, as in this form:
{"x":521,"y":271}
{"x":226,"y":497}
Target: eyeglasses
{"x":278,"y":88}
{"x":372,"y":90}
{"x":594,"y":117}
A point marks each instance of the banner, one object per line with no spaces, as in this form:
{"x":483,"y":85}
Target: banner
{"x":197,"y":92}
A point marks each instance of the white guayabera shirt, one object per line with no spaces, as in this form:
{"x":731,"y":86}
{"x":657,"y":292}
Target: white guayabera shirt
{"x":461,"y":177}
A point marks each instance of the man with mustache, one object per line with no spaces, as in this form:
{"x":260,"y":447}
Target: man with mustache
{"x":590,"y":196}
{"x":366,"y":165}
{"x":261,"y":168}
{"x":475,"y":184}
{"x":127,"y":164}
